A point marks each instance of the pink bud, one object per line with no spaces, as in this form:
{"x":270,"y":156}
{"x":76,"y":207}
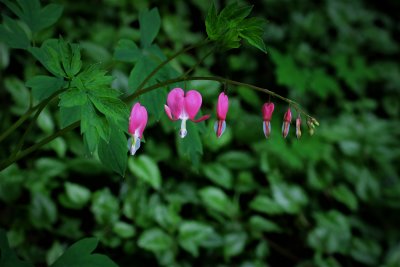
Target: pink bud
{"x":267,"y":110}
{"x":298,"y":127}
{"x":137,"y":123}
{"x":287,"y":119}
{"x":222,"y":106}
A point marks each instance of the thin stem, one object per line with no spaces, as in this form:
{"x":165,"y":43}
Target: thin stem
{"x":36,"y":146}
{"x":184,"y":50}
{"x":46,"y":140}
{"x":27,"y":114}
{"x":199,"y":62}
{"x":41,"y":106}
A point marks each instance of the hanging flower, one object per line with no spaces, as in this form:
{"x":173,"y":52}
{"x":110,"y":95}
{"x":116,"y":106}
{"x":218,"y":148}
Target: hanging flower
{"x":183,"y":107}
{"x":137,"y":123}
{"x":287,"y":119}
{"x":222,"y":109}
{"x":267,"y":110}
{"x":298,"y":127}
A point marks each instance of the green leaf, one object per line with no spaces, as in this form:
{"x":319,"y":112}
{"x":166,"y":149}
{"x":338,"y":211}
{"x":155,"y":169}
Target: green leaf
{"x":114,"y":153}
{"x":236,"y":160}
{"x":42,"y":211}
{"x":291,"y":198}
{"x":150,"y":23}
{"x":124,"y":230}
{"x":43,"y":86}
{"x":73,"y":98}
{"x":234,"y":244}
{"x":344,"y":195}
{"x":261,"y":224}
{"x":216,"y":200}
{"x":69,"y":115}
{"x":235,"y":14}
{"x":105,"y":207}
{"x":144,"y":168}
{"x":192,"y":234}
{"x":79,"y":254}
{"x":155,"y":240}
{"x":127,"y":51}
{"x":191,"y":146}
{"x":8,"y":258}
{"x":219,"y":174}
{"x":70,"y":55}
{"x":49,"y":56}
{"x":37,"y":18}
{"x":266,"y":205}
{"x":112,"y":108}
{"x":253,"y":39}
{"x":211,"y":22}
{"x":77,"y":194}
{"x":13,"y":34}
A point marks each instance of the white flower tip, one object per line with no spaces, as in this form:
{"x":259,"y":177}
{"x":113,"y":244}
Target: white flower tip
{"x":182,"y":133}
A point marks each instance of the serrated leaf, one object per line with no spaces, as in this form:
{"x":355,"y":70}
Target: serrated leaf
{"x":127,"y":51}
{"x":72,"y":98}
{"x":112,"y":108}
{"x":79,"y":254}
{"x":114,"y":153}
{"x":13,"y":35}
{"x":144,"y":168}
{"x":234,"y":14}
{"x":211,"y":22}
{"x":70,"y":55}
{"x":49,"y":57}
{"x":69,"y":115}
{"x":253,"y":39}
{"x":150,"y":23}
{"x":43,"y":86}
{"x":30,"y":12}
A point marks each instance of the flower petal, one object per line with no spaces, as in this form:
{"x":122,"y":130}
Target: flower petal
{"x":137,"y":119}
{"x":219,"y":127}
{"x":192,"y":103}
{"x":202,"y":118}
{"x":175,"y":102}
{"x":168,"y":112}
{"x":267,"y":110}
{"x":222,"y":106}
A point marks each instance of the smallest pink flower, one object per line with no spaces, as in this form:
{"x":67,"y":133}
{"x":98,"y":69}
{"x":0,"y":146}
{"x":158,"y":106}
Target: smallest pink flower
{"x":287,"y":119}
{"x":298,"y":127}
{"x":267,"y":110}
{"x":222,"y":110}
{"x":137,"y":123}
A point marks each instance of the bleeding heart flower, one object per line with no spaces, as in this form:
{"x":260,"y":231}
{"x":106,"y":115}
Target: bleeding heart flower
{"x":267,"y":110}
{"x":298,"y":127}
{"x":287,"y":119}
{"x":181,"y":107}
{"x":222,"y":109}
{"x":137,"y":123}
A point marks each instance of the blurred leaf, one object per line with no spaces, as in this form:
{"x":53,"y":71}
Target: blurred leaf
{"x":77,"y":194}
{"x":124,"y":229}
{"x":261,"y":224}
{"x":234,"y":244}
{"x":155,"y":240}
{"x":150,"y":23}
{"x":13,"y":34}
{"x":290,"y":198}
{"x":366,"y":251}
{"x":218,"y":174}
{"x":236,"y":160}
{"x":36,"y":17}
{"x":79,"y":254}
{"x":127,"y":51}
{"x":105,"y":207}
{"x":216,"y":199}
{"x":266,"y":205}
{"x":343,"y":194}
{"x":192,"y":234}
{"x":8,"y":258}
{"x":42,"y":211}
{"x":144,"y":168}
{"x":191,"y":146}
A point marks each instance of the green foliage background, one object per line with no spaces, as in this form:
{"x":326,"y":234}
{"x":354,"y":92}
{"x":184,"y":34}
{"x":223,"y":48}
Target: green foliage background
{"x":327,"y":200}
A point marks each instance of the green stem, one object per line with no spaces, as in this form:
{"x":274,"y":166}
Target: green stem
{"x":41,"y":106}
{"x":48,"y":139}
{"x":184,"y":50}
{"x":27,"y":114}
